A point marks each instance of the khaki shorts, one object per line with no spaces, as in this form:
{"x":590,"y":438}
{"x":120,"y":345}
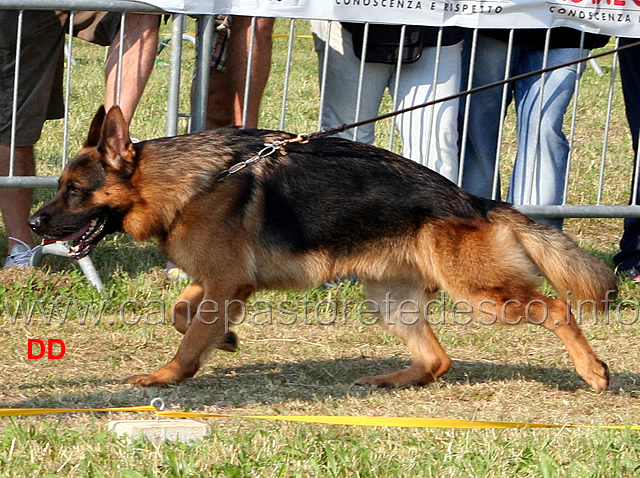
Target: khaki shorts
{"x":39,"y":95}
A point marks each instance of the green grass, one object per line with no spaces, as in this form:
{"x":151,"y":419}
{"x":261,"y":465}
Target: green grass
{"x":242,"y":449}
{"x":306,"y":367}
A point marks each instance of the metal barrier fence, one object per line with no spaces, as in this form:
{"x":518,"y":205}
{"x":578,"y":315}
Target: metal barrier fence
{"x":593,"y":201}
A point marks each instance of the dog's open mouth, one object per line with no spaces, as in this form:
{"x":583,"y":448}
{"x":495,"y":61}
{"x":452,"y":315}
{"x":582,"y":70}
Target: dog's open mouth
{"x":83,"y":241}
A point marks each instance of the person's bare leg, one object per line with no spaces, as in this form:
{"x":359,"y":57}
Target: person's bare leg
{"x":239,"y":43}
{"x":15,"y":203}
{"x":140,"y":44}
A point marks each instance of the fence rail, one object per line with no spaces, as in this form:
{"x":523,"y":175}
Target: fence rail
{"x":77,"y":5}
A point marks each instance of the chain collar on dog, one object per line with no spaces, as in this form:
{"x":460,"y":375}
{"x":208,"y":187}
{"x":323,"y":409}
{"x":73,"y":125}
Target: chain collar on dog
{"x":268,"y":150}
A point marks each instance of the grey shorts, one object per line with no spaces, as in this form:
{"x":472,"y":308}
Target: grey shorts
{"x":39,"y":95}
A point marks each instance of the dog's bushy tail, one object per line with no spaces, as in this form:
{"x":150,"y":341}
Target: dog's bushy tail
{"x":572,"y":272}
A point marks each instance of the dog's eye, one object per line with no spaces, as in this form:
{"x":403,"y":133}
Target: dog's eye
{"x":73,"y":190}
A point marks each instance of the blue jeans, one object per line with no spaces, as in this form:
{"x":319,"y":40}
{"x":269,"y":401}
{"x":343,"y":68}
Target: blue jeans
{"x":540,"y":166}
{"x":629,"y":255}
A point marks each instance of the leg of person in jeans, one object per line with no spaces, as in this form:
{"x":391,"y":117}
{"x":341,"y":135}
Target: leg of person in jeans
{"x":430,"y":135}
{"x":628,"y":259}
{"x":341,"y":85}
{"x":484,"y":116}
{"x":540,"y":168}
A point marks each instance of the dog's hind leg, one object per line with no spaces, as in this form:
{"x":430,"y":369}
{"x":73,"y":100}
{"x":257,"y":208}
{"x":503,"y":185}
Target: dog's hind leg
{"x":400,"y":309}
{"x":555,"y":315}
{"x":516,"y":301}
{"x":221,"y":303}
{"x":185,"y":308}
{"x":493,"y":277}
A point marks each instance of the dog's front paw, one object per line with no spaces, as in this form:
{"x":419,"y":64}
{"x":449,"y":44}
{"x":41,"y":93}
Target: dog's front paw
{"x":152,"y":379}
{"x":414,"y":375}
{"x":142,"y":380}
{"x":171,"y":373}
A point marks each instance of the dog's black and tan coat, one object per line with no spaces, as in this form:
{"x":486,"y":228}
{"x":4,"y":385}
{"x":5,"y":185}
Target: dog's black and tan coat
{"x":311,"y":212}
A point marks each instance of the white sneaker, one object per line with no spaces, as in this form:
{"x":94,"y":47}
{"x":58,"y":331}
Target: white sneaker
{"x":19,"y":255}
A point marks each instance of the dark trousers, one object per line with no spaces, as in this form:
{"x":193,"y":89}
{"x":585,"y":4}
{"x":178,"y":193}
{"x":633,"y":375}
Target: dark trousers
{"x":629,"y":255}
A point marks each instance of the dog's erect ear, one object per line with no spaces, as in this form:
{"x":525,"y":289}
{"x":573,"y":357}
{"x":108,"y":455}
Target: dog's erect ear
{"x":116,"y":143}
{"x":96,"y":128}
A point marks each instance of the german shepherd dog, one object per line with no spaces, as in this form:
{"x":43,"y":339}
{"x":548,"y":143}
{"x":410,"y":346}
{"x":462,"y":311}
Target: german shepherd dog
{"x":311,"y":212}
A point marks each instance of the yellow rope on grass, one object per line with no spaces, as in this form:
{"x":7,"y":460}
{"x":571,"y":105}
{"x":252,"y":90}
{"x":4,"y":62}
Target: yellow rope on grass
{"x":394,"y":422}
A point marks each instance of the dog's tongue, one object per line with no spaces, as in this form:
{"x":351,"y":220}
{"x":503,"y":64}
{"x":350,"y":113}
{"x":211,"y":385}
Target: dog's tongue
{"x":70,"y":237}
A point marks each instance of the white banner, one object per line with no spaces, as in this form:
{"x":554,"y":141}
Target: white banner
{"x":612,"y":17}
